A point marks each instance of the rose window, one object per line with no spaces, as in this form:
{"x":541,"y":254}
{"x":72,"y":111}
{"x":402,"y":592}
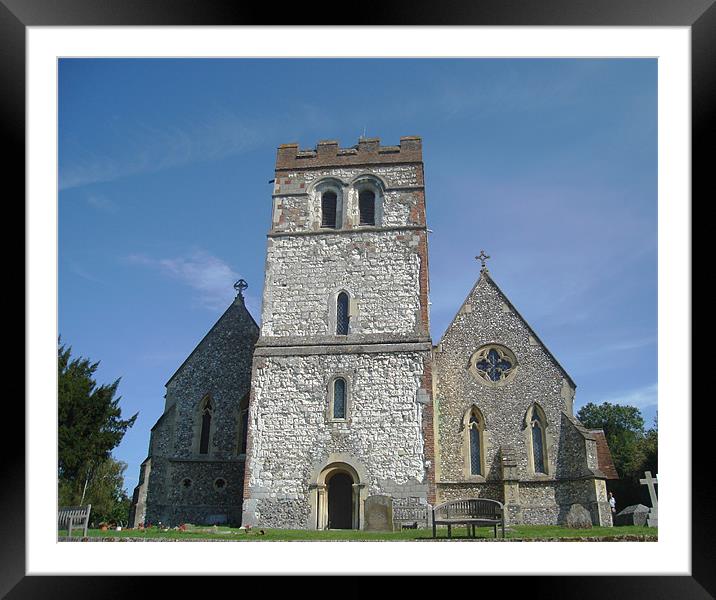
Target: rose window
{"x":493,"y":364}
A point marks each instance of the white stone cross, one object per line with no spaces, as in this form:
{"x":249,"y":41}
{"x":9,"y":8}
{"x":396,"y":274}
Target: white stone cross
{"x":650,"y":482}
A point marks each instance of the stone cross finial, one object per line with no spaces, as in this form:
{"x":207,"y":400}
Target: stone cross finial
{"x":650,"y":482}
{"x":482,"y":257}
{"x":240,"y":286}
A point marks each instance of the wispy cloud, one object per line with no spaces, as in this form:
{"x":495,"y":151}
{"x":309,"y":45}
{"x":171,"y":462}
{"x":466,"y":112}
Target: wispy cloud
{"x":150,"y":148}
{"x":102,"y":203}
{"x":154,"y":148}
{"x":80,"y":271}
{"x":639,"y":397}
{"x":209,"y":276}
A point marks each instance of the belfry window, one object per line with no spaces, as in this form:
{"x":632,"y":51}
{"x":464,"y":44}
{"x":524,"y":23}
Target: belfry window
{"x":339,"y":398}
{"x":342,"y":315}
{"x":329,"y":203}
{"x":205,"y":427}
{"x":366,"y":207}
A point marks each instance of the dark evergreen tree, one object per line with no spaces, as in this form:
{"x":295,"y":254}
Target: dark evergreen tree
{"x":90,"y":425}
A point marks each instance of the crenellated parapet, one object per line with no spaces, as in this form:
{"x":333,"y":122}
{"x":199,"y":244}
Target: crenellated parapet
{"x":368,"y":151}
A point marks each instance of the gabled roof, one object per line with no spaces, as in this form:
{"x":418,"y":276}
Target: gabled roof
{"x":604,"y":455}
{"x":237,"y":304}
{"x":485,"y":276}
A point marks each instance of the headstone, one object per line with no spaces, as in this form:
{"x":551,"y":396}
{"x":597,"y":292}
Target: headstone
{"x":650,"y":482}
{"x":636,"y":514}
{"x":411,"y":511}
{"x":578,"y":517}
{"x":378,"y":513}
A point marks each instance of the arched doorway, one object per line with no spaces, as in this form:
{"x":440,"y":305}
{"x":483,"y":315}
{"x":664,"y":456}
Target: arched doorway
{"x":337,"y":494}
{"x":340,"y":501}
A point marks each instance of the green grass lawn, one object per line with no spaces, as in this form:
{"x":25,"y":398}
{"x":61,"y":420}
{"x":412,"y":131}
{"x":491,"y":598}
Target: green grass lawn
{"x":519,"y":532}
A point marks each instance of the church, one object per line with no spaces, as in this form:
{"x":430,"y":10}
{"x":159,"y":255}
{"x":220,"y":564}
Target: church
{"x":341,"y":394}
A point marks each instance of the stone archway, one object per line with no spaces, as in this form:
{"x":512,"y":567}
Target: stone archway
{"x":337,"y":494}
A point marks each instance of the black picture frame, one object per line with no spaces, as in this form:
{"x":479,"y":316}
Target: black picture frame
{"x":700,"y":15}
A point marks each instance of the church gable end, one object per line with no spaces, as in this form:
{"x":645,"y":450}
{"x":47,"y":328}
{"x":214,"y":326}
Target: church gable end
{"x":490,"y":360}
{"x":196,"y":469}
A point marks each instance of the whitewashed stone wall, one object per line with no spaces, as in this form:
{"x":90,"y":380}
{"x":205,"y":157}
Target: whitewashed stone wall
{"x":291,"y":432}
{"x":304,"y":274}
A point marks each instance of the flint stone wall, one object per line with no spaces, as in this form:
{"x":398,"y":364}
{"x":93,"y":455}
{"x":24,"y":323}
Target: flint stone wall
{"x":379,"y":271}
{"x":291,"y":431}
{"x":220,"y":366}
{"x":488,"y":317}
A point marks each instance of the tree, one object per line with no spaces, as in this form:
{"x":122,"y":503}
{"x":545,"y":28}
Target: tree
{"x":650,"y":446}
{"x":105,"y":492}
{"x":89,"y":425}
{"x":624,"y":429}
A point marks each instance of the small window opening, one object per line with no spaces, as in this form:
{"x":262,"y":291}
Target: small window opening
{"x":339,"y":399}
{"x":366,"y":206}
{"x":342,"y":317}
{"x":329,"y":201}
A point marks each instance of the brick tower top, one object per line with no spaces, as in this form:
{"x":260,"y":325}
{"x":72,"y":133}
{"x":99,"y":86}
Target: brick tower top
{"x":368,"y":152}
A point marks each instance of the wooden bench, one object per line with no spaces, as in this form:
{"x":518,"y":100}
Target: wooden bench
{"x":73,"y":516}
{"x":471,"y":512}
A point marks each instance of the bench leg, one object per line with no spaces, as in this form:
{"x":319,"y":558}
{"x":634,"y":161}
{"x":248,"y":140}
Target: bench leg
{"x":449,"y":531}
{"x":495,"y":528}
{"x":473,"y":532}
{"x":503,"y":529}
{"x":435,"y":530}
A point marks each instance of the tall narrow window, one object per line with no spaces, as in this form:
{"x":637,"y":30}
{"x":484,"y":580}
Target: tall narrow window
{"x":205,"y":427}
{"x":475,"y":456}
{"x":366,"y":207}
{"x":329,"y":201}
{"x":538,"y":442}
{"x":342,"y":317}
{"x":244,"y":431}
{"x":339,"y":398}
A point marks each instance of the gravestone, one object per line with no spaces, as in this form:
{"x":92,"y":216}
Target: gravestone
{"x":378,"y":513}
{"x":636,"y":514}
{"x":411,"y":512}
{"x":578,"y":517}
{"x":649,"y":481}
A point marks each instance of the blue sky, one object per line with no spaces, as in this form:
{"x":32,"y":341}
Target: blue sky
{"x":550,"y":165}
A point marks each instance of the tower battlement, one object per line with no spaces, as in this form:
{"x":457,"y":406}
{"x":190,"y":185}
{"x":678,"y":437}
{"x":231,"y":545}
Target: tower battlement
{"x":328,"y":153}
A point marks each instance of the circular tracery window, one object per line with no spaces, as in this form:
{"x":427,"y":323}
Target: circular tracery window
{"x":493,"y":364}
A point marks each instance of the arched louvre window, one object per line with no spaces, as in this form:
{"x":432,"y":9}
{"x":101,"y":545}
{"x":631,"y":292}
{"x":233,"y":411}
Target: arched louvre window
{"x":329,"y":202}
{"x":339,"y":398}
{"x":205,"y":427}
{"x":475,"y":457}
{"x":342,"y":317}
{"x":538,"y":442}
{"x":366,"y":207}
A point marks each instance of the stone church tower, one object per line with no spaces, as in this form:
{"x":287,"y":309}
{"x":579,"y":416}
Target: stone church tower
{"x":340,"y":405}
